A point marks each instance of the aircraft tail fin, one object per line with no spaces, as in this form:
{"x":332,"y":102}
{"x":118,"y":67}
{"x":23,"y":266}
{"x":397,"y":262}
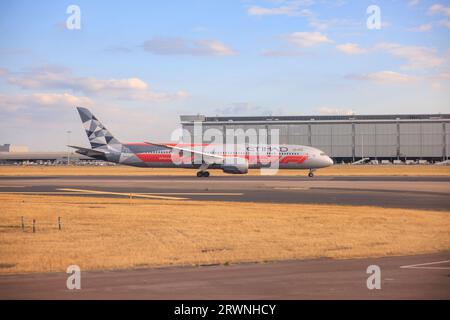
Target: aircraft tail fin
{"x":99,"y":137}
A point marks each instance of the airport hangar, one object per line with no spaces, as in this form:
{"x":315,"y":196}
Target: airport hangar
{"x":349,"y":138}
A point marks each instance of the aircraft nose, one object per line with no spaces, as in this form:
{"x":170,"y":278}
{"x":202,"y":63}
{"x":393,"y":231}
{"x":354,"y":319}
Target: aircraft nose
{"x":327,"y":161}
{"x":330,"y":161}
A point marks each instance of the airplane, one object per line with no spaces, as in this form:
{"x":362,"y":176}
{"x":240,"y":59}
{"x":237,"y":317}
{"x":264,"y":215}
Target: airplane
{"x":104,"y":146}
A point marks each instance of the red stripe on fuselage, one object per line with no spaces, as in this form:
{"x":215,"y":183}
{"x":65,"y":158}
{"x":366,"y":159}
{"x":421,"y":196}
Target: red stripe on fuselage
{"x":293,"y":159}
{"x":155,"y":157}
{"x":167,"y":158}
{"x":166,"y":144}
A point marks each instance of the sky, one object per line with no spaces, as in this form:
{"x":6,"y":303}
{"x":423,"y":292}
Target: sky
{"x":139,"y":65}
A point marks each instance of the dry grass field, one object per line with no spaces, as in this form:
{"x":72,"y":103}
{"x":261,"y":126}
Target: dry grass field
{"x":100,"y":233}
{"x":336,"y":170}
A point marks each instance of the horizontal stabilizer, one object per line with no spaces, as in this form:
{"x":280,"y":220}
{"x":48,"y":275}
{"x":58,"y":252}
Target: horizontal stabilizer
{"x":88,"y":152}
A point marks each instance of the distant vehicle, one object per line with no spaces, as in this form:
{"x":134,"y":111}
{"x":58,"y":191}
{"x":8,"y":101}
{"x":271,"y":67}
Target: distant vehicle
{"x":161,"y":155}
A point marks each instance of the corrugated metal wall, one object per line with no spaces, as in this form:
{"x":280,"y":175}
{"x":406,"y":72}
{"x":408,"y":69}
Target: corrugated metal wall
{"x":359,"y":139}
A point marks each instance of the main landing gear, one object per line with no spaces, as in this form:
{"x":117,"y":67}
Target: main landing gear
{"x":203,"y":174}
{"x":202,"y":170}
{"x":311,"y":173}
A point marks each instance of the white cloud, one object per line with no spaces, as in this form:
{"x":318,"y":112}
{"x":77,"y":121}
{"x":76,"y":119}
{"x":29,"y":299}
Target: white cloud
{"x":324,"y":24}
{"x":262,"y":11}
{"x":350,"y":48}
{"x":177,"y":46}
{"x":216,"y":48}
{"x":335,"y":111}
{"x":59,"y":78}
{"x":307,"y":39}
{"x":288,"y":8}
{"x":93,"y":85}
{"x":15,"y":102}
{"x":441,"y":80}
{"x":439,"y":9}
{"x":294,"y":9}
{"x":59,"y":99}
{"x":417,"y":57}
{"x":413,"y":3}
{"x":385,"y":77}
{"x":422,"y":28}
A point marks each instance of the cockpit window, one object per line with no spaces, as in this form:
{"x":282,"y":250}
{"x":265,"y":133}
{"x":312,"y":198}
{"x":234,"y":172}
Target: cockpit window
{"x":322,"y":154}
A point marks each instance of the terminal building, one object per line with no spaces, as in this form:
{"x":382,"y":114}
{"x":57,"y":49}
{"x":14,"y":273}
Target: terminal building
{"x":349,"y":138}
{"x":13,"y":148}
{"x":15,"y":154}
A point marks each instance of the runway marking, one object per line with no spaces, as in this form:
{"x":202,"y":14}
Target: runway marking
{"x":136,"y":195}
{"x":12,"y":186}
{"x":424,"y":265}
{"x":37,"y":192}
{"x":194,"y":193}
{"x":127,"y":194}
{"x":291,"y":188}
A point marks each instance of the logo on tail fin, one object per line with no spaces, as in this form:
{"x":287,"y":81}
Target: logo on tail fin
{"x":99,"y":137}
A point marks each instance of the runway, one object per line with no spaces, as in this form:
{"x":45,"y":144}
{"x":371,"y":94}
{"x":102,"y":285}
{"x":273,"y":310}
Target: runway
{"x":428,"y":193}
{"x":409,"y":277}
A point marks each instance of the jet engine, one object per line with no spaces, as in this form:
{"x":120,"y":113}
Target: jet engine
{"x":235,"y":166}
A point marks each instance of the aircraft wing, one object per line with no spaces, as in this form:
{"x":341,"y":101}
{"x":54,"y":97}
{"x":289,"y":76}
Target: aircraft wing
{"x":205,"y":154}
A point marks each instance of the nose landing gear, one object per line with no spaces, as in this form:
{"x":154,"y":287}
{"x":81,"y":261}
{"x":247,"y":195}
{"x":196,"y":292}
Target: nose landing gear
{"x":311,"y":173}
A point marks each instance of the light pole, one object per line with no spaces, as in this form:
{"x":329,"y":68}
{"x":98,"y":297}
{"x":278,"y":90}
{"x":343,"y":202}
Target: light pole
{"x":68,"y":148}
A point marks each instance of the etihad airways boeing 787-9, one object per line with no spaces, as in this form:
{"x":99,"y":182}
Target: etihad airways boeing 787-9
{"x":232,"y":160}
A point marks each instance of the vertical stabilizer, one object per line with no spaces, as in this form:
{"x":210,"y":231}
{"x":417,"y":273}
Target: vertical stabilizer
{"x":99,"y":137}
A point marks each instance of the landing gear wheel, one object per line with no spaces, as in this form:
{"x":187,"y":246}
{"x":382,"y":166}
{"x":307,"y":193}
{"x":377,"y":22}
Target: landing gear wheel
{"x":203,"y":174}
{"x":311,"y":174}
